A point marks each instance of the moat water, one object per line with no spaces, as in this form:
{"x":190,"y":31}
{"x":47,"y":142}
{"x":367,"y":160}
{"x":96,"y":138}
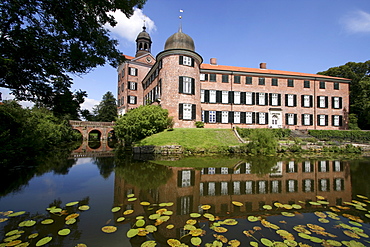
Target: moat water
{"x":216,"y":200}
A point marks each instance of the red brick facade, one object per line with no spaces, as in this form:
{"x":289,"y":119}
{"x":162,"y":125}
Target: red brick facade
{"x":227,"y":96}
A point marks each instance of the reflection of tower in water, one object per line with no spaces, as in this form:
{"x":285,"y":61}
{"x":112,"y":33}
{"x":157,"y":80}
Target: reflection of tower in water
{"x":288,"y":182}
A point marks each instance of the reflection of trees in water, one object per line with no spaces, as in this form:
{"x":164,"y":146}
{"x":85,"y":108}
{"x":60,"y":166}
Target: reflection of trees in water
{"x":144,"y":175}
{"x":360,"y":173}
{"x":105,"y":165}
{"x":262,"y":165}
{"x":16,"y":175}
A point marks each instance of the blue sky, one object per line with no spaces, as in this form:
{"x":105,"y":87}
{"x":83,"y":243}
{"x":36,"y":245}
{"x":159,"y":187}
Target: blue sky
{"x":292,"y":35}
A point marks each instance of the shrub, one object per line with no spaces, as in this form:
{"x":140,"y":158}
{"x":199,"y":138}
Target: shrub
{"x":199,"y":124}
{"x":262,"y":142}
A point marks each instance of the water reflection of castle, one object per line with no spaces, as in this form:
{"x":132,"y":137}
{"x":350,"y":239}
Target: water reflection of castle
{"x":289,"y":182}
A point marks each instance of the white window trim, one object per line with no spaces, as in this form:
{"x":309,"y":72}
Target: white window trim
{"x":236,"y":117}
{"x":186,"y":110}
{"x":248,"y":98}
{"x":236,"y":97}
{"x":212,"y":96}
{"x":224,"y":117}
{"x":212,"y":116}
{"x":225,"y":97}
{"x":186,"y":61}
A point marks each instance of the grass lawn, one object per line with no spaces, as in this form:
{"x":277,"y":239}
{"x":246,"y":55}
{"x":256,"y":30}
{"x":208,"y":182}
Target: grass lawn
{"x":192,"y":138}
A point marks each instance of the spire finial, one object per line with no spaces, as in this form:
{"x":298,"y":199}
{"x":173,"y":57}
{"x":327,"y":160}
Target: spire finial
{"x":144,"y":27}
{"x":180,"y":17}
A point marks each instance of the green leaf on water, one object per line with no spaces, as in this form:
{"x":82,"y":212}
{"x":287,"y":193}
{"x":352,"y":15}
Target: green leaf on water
{"x":116,"y":209}
{"x":266,"y":242}
{"x":132,"y":233}
{"x":84,"y":207}
{"x":121,"y":219}
{"x":140,"y":223}
{"x":64,"y":232}
{"x":69,"y":204}
{"x":47,"y":221}
{"x":71,"y":221}
{"x":16,"y":213}
{"x":44,"y":241}
{"x":27,"y":223}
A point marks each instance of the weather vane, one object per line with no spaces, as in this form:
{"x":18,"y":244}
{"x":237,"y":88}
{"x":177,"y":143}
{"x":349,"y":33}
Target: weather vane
{"x":180,"y":17}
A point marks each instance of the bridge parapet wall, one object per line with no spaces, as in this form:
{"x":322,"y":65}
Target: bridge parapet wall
{"x":85,"y":127}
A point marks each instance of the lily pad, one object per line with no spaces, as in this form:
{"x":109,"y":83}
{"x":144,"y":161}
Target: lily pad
{"x":267,"y":207}
{"x":130,"y":195}
{"x":129,"y":211}
{"x":47,"y":221}
{"x":149,"y":243}
{"x":27,"y":223}
{"x":16,"y":213}
{"x":144,"y":203}
{"x":33,"y":235}
{"x":120,"y":219}
{"x":64,"y":232}
{"x":132,"y":199}
{"x":205,"y":207}
{"x":238,"y":204}
{"x":195,"y":215}
{"x":71,"y":221}
{"x":109,"y":229}
{"x":266,"y":242}
{"x":72,"y":216}
{"x":252,"y":218}
{"x":116,"y":209}
{"x":169,"y":227}
{"x":132,"y":233}
{"x":71,"y":204}
{"x":196,"y":241}
{"x":84,"y":207}
{"x":151,"y":228}
{"x":44,"y":241}
{"x":140,"y":223}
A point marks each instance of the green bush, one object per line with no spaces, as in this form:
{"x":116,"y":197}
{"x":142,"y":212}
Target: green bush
{"x":341,"y":135}
{"x":277,"y":133}
{"x":262,"y":142}
{"x":199,"y":124}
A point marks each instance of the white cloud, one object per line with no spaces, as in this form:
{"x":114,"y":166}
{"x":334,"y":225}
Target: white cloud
{"x":89,"y":104}
{"x":129,"y":28}
{"x":6,"y":95}
{"x":357,"y":22}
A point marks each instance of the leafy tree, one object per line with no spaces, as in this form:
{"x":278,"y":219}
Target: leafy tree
{"x":359,"y":73}
{"x":43,"y":41}
{"x":141,"y":122}
{"x":262,"y":141}
{"x":106,"y":111}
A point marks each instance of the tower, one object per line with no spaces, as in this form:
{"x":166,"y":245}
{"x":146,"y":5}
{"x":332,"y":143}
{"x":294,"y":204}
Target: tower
{"x":143,"y":43}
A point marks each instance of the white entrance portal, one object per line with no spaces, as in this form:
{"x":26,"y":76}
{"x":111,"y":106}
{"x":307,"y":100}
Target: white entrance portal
{"x":275,"y":118}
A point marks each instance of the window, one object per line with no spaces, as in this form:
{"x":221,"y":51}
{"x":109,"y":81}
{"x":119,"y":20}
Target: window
{"x":131,"y":99}
{"x":308,"y":185}
{"x":186,"y":85}
{"x":291,"y":185}
{"x":212,"y":116}
{"x":338,"y":184}
{"x":249,"y":98}
{"x":291,"y":100}
{"x":322,"y":120}
{"x":274,"y":99}
{"x":274,"y":82}
{"x":225,"y":97}
{"x":203,"y":77}
{"x":322,"y":85}
{"x":237,"y":79}
{"x":261,"y":99}
{"x":307,"y":166}
{"x":307,"y":119}
{"x":225,"y":117}
{"x":185,"y":178}
{"x":249,"y":117}
{"x":236,"y":97}
{"x":261,"y":81}
{"x":306,"y":101}
{"x":187,"y":111}
{"x":236,"y":117}
{"x":306,"y":84}
{"x":336,"y":85}
{"x":336,"y":102}
{"x":290,"y":118}
{"x":324,"y":185}
{"x":202,"y":95}
{"x":212,"y":77}
{"x":132,"y":71}
{"x":323,"y":101}
{"x":262,"y":118}
{"x":290,"y":83}
{"x":248,"y":80}
{"x":188,"y":61}
{"x":212,"y":96}
{"x":225,"y":78}
{"x":275,"y":186}
{"x":132,"y":85}
{"x":336,"y":120}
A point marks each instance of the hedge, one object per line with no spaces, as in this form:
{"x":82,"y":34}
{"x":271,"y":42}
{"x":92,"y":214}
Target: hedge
{"x":278,"y":133}
{"x":343,"y":135}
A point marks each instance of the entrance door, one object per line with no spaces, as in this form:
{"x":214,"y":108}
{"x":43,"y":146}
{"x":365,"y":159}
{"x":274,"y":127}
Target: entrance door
{"x":275,"y":119}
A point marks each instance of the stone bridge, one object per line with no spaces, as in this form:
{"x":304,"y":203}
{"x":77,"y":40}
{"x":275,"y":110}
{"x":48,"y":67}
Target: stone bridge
{"x":103,"y":129}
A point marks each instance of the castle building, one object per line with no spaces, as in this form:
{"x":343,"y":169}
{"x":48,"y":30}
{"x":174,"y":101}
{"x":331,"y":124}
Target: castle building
{"x":227,"y":96}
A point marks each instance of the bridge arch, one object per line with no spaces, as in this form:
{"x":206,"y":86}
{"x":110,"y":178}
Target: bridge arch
{"x":85,"y":127}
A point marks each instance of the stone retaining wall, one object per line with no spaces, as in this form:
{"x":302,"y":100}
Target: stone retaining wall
{"x":164,"y":150}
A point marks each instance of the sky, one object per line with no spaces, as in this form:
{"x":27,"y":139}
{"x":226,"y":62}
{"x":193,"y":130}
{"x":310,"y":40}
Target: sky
{"x":306,"y":36}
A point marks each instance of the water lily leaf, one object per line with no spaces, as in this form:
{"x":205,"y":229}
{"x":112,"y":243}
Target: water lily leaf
{"x":14,"y":243}
{"x":71,"y":221}
{"x":27,"y":223}
{"x":132,"y":233}
{"x":287,"y":206}
{"x":151,"y":228}
{"x":71,"y":204}
{"x":191,"y":222}
{"x":169,"y":227}
{"x":12,"y":232}
{"x":266,"y":242}
{"x":314,"y":203}
{"x":296,"y":206}
{"x":316,"y":240}
{"x":16,"y":213}
{"x":164,"y":218}
{"x":47,"y":221}
{"x":33,"y":235}
{"x":84,"y":207}
{"x":354,"y":223}
{"x":195,"y":215}
{"x":13,"y":237}
{"x":120,"y":219}
{"x":130,"y":195}
{"x":252,"y":218}
{"x":80,"y":245}
{"x":132,"y":199}
{"x":362,"y":197}
{"x":196,"y":241}
{"x":220,"y":229}
{"x":154,"y":216}
{"x":234,"y":243}
{"x":304,"y":235}
{"x":115,"y":209}
{"x":288,"y":214}
{"x":3,"y":219}
{"x":109,"y":229}
{"x":140,"y":223}
{"x":238,"y":204}
{"x":230,"y":222}
{"x":173,"y":242}
{"x":72,"y":216}
{"x":323,"y":202}
{"x":320,"y":197}
{"x":189,"y":227}
{"x":145,"y":204}
{"x":208,"y":216}
{"x":267,"y":207}
{"x":323,"y":220}
{"x":130,"y":211}
{"x":168,"y":213}
{"x":253,"y":244}
{"x":55,"y":210}
{"x":216,"y":244}
{"x":64,"y":232}
{"x":149,"y":243}
{"x":44,"y":241}
{"x":350,"y":234}
{"x":196,"y":232}
{"x":205,"y":207}
{"x":290,"y":242}
{"x":333,"y":242}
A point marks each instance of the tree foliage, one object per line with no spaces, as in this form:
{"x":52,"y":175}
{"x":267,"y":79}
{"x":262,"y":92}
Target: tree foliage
{"x":141,"y":122}
{"x":262,"y":141}
{"x":42,"y":42}
{"x":106,"y":111}
{"x":359,"y":73}
{"x":30,"y":131}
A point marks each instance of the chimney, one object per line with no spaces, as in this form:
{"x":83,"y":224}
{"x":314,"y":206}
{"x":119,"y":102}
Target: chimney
{"x":213,"y":61}
{"x":262,"y":65}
